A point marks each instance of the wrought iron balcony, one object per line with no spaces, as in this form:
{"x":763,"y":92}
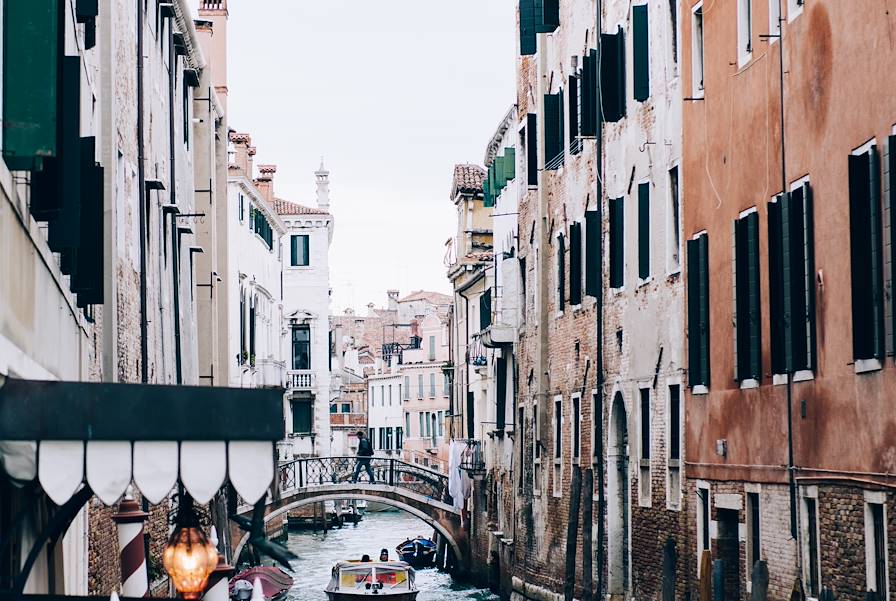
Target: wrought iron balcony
{"x":472,"y":460}
{"x":300,"y":379}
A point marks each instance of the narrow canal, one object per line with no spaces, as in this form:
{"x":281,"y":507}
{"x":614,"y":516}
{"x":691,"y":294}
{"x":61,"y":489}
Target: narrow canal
{"x":318,"y":552}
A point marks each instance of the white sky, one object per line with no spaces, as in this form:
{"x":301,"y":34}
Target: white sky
{"x":392,"y":93}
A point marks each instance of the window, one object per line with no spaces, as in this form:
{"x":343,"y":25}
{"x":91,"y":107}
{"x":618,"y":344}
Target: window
{"x":561,"y":272}
{"x":866,"y":254}
{"x":500,"y":393}
{"x":640,"y":53}
{"x":549,"y":19}
{"x":334,"y":408}
{"x":673,"y":20}
{"x":406,"y":395}
{"x":792,"y":281}
{"x":521,"y":428}
{"x":644,"y":230}
{"x":390,"y":394}
{"x":612,"y":76}
{"x":553,"y":131}
{"x":435,"y":428}
{"x":407,"y":423}
{"x":485,"y":309}
{"x":299,"y":251}
{"x":432,"y":348}
{"x":528,"y":43}
{"x":644,"y":472}
{"x":747,"y":351}
{"x":536,"y":450}
{"x":346,"y":408}
{"x":432,"y":385}
{"x":617,"y":242}
{"x":754,"y":548}
{"x":242,"y":207}
{"x":372,"y":437}
{"x":428,"y":425}
{"x":744,"y":31}
{"x":674,"y":236}
{"x":252,"y":329}
{"x":440,"y":423}
{"x":531,"y":149}
{"x":576,"y":428}
{"x":186,"y":112}
{"x":372,"y":396}
{"x":592,"y":253}
{"x":389,"y":438}
{"x":383,"y":438}
{"x":301,"y":347}
{"x":419,"y":386}
{"x":811,"y":563}
{"x":774,"y":20}
{"x":558,"y":446}
{"x":589,"y":94}
{"x":575,"y":142}
{"x":301,"y":416}
{"x":575,"y":264}
{"x":876,"y":549}
{"x":697,"y":35}
{"x":399,"y":438}
{"x":446,"y":390}
{"x":673,"y":448}
{"x":698,"y":312}
{"x":702,"y":524}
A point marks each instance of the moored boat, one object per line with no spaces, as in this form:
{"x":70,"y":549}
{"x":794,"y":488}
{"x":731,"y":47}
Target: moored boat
{"x":275,"y":583}
{"x":419,"y":552}
{"x":352,"y":580}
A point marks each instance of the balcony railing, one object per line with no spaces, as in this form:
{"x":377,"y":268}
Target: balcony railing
{"x":300,"y":379}
{"x":472,"y":460}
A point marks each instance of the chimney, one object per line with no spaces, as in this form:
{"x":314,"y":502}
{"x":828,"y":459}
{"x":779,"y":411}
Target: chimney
{"x":322,"y":176}
{"x":242,"y":145}
{"x":265,"y":181}
{"x":370,"y":310}
{"x":393,"y":299}
{"x":211,"y":27}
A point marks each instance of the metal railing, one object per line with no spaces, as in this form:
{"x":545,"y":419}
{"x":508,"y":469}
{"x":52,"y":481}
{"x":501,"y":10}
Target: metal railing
{"x":300,"y":379}
{"x":321,"y":471}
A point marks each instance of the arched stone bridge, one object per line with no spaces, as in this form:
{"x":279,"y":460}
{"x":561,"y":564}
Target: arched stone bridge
{"x":419,"y":491}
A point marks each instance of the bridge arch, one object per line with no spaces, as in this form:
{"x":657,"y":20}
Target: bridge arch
{"x":289,"y":504}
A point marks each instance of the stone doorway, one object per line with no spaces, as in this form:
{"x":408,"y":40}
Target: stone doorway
{"x":729,"y":553}
{"x":618,"y":500}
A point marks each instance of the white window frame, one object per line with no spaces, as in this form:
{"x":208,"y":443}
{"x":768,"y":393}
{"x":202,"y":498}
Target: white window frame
{"x":537,"y":473}
{"x":744,"y":32}
{"x":557,"y":454}
{"x":698,"y":52}
{"x":575,"y":423}
{"x":774,"y":21}
{"x":794,"y":9}
{"x":645,"y":464}
{"x":876,"y":498}
{"x":673,"y":267}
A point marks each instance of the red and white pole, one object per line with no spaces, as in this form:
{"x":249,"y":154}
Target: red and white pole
{"x":130,"y":519}
{"x":218,"y":587}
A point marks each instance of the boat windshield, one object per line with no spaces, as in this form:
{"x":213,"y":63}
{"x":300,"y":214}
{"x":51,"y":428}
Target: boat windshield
{"x":355,"y":577}
{"x":366,"y":576}
{"x":393,"y":578}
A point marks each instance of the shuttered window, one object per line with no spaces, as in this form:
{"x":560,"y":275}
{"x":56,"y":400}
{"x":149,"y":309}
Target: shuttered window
{"x":640,"y":53}
{"x":547,"y":15}
{"x":500,"y":392}
{"x":644,"y":230}
{"x":532,"y":149}
{"x":592,"y":253}
{"x":62,"y":237}
{"x":301,"y":416}
{"x":575,"y":143}
{"x":485,"y":309}
{"x":575,"y":264}
{"x":553,"y":131}
{"x":561,"y":272}
{"x":892,"y":171}
{"x":299,"y":251}
{"x":746,"y":295}
{"x":527,"y":27}
{"x":509,"y":164}
{"x":698,"y":311}
{"x":589,"y":94}
{"x":617,"y":242}
{"x":866,"y":256}
{"x":87,"y":276}
{"x":612,"y":75}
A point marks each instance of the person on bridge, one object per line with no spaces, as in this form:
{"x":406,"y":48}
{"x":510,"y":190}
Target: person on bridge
{"x":365,"y":452}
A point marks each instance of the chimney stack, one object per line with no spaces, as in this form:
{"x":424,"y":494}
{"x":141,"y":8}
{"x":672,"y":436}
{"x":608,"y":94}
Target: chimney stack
{"x":393,"y":299}
{"x":242,"y":145}
{"x":265,"y":181}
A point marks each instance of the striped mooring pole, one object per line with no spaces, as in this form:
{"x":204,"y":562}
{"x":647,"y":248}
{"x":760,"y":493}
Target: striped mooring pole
{"x":130,"y":519}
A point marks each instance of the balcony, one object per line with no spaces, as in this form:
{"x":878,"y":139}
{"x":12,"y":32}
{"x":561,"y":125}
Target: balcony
{"x":300,"y":380}
{"x":498,"y":335}
{"x":472,"y":460}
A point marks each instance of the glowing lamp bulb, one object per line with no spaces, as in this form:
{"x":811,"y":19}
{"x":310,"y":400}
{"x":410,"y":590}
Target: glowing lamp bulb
{"x":189,"y":557}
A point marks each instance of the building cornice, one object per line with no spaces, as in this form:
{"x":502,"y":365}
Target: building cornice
{"x":243,"y":182}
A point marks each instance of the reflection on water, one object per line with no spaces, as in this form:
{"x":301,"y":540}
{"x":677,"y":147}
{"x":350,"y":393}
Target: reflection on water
{"x":318,"y":552}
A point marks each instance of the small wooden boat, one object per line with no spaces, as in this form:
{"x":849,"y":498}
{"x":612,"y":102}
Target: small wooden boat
{"x":352,"y":580}
{"x":419,"y":552}
{"x":275,"y":583}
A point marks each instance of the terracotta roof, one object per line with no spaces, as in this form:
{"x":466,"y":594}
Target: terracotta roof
{"x":284,"y":207}
{"x":468,"y":178}
{"x":436,"y":298}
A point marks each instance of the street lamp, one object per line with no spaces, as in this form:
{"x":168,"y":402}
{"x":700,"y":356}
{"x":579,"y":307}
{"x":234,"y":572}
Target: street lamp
{"x":189,"y":557}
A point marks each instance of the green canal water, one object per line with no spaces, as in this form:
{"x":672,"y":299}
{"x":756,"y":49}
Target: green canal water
{"x":319,"y":551}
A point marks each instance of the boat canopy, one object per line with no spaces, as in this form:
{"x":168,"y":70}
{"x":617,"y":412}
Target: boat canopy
{"x":359,"y":576}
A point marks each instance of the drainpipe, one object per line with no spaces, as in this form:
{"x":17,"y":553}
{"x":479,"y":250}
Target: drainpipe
{"x":141,"y":183}
{"x":599,"y":317}
{"x":175,"y":251}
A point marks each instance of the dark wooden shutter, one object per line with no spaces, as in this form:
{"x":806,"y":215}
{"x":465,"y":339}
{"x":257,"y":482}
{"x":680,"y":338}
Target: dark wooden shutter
{"x":589,"y":94}
{"x":500,"y":392}
{"x":485,"y":309}
{"x":293,"y":250}
{"x":573,"y":109}
{"x":865,"y":255}
{"x":612,"y":75}
{"x":592,"y":253}
{"x":61,"y":233}
{"x":741,"y":305}
{"x":640,"y":53}
{"x":644,"y":230}
{"x":553,"y":131}
{"x":532,"y":149}
{"x":703,"y":245}
{"x":509,"y":164}
{"x":891,"y":145}
{"x":617,"y":243}
{"x":306,"y":257}
{"x":561,"y":272}
{"x":775,"y":288}
{"x":86,"y":9}
{"x":575,"y":264}
{"x":754,"y":355}
{"x":547,"y":15}
{"x":698,"y":311}
{"x":527,"y":27}
{"x":876,"y":242}
{"x":811,"y":360}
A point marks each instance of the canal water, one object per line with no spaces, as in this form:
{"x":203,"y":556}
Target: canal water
{"x":318,"y":552}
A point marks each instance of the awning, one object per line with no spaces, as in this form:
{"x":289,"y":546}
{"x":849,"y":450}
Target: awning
{"x":113,"y":435}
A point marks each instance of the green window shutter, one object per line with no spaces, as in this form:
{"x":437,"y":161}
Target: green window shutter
{"x":527,"y":27}
{"x":294,"y":250}
{"x":306,"y":251}
{"x":876,"y":242}
{"x":32,"y":35}
{"x":891,"y":145}
{"x":509,"y":164}
{"x":775,"y":287}
{"x":644,"y":230}
{"x":695,"y":376}
{"x":589,"y":94}
{"x":809,"y":277}
{"x":86,"y":9}
{"x":561,"y":272}
{"x":617,"y":242}
{"x":703,"y":245}
{"x":90,"y":256}
{"x":754,"y":355}
{"x":575,"y":264}
{"x":612,"y":75}
{"x":592,"y":253}
{"x":553,"y":130}
{"x":500,"y":180}
{"x":547,"y":15}
{"x":485,"y":309}
{"x":640,"y":53}
{"x":486,"y":195}
{"x":741,"y":304}
{"x":61,"y":233}
{"x":532,"y":149}
{"x":500,"y":392}
{"x":573,"y":109}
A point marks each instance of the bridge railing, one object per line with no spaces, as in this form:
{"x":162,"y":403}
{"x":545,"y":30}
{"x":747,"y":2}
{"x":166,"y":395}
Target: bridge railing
{"x":322,"y":471}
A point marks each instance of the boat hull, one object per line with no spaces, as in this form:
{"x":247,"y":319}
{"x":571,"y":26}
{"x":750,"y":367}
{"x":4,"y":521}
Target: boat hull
{"x":343,"y":596}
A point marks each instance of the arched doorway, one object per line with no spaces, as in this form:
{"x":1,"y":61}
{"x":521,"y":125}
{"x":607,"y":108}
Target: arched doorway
{"x":618,"y":499}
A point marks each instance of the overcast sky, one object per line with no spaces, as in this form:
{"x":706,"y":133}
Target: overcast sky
{"x":392,"y":94}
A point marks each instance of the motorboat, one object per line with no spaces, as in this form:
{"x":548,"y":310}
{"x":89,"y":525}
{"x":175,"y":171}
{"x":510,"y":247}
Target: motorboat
{"x":419,"y":552}
{"x":352,"y":580}
{"x":275,"y":583}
